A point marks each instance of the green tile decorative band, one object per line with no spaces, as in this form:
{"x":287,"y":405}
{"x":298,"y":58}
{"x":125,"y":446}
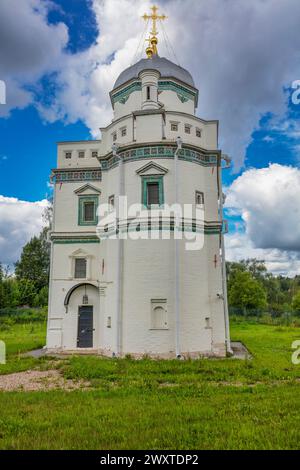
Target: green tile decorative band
{"x":71,"y":176}
{"x":157,"y":152}
{"x":63,"y":241}
{"x":183,"y":93}
{"x":123,"y":95}
{"x":155,"y":225}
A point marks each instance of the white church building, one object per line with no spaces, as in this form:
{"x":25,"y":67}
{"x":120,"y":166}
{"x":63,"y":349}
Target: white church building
{"x":144,"y":295}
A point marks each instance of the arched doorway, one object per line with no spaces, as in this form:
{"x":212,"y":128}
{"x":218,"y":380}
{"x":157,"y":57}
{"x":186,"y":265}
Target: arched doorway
{"x":81,"y":326}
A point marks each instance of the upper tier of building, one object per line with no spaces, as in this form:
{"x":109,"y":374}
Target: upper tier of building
{"x":165,"y":67}
{"x":154,"y":83}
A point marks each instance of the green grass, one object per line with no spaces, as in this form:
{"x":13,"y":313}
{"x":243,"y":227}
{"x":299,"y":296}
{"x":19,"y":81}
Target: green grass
{"x":20,"y":338}
{"x":203,"y":404}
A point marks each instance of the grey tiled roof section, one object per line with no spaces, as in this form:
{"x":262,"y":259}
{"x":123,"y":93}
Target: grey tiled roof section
{"x":164,"y":66}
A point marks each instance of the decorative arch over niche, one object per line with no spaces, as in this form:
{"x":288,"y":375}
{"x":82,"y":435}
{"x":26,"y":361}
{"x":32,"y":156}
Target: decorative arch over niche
{"x":70,"y":292}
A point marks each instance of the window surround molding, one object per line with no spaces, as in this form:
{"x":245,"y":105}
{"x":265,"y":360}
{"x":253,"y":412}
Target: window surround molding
{"x":152,"y":179}
{"x":201,"y":195}
{"x":80,"y":254}
{"x":87,"y":193}
{"x":159,"y":304}
{"x":79,"y":152}
{"x":66,"y":152}
{"x":123,"y":131}
{"x":152,"y":173}
{"x":188,"y":128}
{"x":198,"y":132}
{"x":174,"y":123}
{"x":81,"y":201}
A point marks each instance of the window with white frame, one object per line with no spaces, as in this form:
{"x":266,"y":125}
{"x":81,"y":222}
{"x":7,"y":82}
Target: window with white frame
{"x":123,"y":131}
{"x":174,"y":126}
{"x":68,"y":154}
{"x":198,"y":132}
{"x":114,"y":136}
{"x":199,"y":198}
{"x":94,"y":153}
{"x":159,"y":319}
{"x":80,"y":268}
{"x":81,"y":153}
{"x":187,"y":128}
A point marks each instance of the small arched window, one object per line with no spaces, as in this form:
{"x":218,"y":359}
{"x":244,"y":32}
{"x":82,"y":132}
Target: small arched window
{"x":159,"y":319}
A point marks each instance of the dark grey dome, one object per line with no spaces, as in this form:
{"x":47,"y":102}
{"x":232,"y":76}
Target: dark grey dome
{"x":166,"y":68}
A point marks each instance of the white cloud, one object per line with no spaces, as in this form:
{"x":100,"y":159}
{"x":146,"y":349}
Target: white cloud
{"x":29,"y":48}
{"x":239,"y":246}
{"x":241,"y":55}
{"x":267,"y":200}
{"x":19,"y":221}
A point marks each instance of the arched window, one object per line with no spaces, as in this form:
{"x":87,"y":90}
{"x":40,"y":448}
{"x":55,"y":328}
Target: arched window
{"x":159,"y":319}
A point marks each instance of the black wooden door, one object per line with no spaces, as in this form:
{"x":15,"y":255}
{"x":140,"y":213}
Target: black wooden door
{"x":85,"y":327}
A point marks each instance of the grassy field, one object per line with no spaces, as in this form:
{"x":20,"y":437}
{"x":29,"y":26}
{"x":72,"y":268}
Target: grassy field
{"x":203,"y":404}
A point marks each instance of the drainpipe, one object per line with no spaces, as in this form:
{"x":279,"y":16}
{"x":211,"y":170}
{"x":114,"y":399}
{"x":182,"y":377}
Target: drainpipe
{"x":120,"y":254}
{"x":224,"y":277}
{"x":176,"y":227}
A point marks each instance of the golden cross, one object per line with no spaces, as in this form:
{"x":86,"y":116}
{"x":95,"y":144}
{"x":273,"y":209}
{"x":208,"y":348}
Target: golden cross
{"x":154,"y":17}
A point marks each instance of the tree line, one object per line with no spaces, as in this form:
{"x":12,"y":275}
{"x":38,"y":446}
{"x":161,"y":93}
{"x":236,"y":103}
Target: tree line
{"x":28,"y":285}
{"x":251,"y":288}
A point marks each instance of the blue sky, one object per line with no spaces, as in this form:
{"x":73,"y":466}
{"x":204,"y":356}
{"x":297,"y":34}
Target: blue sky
{"x":59,"y":91}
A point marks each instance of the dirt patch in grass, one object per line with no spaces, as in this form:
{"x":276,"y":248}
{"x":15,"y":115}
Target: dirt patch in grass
{"x":35,"y":380}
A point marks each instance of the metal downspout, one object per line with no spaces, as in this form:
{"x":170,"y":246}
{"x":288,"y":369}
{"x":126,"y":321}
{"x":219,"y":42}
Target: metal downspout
{"x":177,"y":300}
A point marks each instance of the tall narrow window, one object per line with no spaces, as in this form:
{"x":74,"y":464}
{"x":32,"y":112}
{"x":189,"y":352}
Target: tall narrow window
{"x":187,"y":128}
{"x":152,"y":194}
{"x":199,"y":198}
{"x":87,"y":214}
{"x":148,"y":93}
{"x":88,"y":211}
{"x":111,"y":202}
{"x":198,"y":132}
{"x":153,"y":191}
{"x":80,"y":268}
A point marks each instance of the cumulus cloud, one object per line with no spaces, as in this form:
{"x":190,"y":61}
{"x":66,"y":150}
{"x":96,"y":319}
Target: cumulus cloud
{"x":241,"y":55}
{"x":19,"y":221}
{"x":267,"y":200}
{"x":239,"y":246}
{"x":29,"y":48}
{"x":232,"y":49}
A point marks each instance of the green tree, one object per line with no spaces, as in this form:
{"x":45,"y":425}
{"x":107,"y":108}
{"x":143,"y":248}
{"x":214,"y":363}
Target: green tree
{"x":246,"y":292}
{"x":34,"y":262}
{"x":296,"y":303}
{"x":41,"y":298}
{"x":26,"y":292}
